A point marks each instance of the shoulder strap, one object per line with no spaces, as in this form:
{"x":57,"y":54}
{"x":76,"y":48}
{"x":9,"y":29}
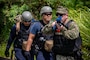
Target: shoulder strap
{"x":41,"y":24}
{"x":68,"y":23}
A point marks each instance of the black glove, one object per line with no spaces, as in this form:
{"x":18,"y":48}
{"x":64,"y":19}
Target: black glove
{"x":7,"y":53}
{"x":27,"y":55}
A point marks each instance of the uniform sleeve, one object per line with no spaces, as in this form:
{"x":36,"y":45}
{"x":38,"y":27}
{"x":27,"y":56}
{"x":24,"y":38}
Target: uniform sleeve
{"x":72,"y":32}
{"x":34,"y":28}
{"x":11,"y":36}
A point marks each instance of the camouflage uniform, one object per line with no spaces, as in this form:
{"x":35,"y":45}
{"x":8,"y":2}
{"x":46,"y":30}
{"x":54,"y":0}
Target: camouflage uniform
{"x":71,"y":33}
{"x":18,"y":18}
{"x":47,"y":29}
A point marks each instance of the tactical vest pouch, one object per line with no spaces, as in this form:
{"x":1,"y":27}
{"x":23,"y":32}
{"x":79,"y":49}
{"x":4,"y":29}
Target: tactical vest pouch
{"x":48,"y":45}
{"x":24,"y":45}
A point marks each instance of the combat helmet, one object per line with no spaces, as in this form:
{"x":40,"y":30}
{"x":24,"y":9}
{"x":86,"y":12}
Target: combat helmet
{"x":61,"y":10}
{"x":45,"y":9}
{"x":26,"y":16}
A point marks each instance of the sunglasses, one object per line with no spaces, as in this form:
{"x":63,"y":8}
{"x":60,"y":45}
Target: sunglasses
{"x":27,"y":21}
{"x":58,"y":14}
{"x":47,"y":14}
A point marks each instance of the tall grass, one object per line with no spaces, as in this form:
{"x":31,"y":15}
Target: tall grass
{"x":2,"y":50}
{"x":81,"y":16}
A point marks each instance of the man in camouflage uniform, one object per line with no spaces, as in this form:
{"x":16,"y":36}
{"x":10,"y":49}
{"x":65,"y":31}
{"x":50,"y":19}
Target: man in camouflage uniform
{"x":73,"y":30}
{"x":66,"y":32}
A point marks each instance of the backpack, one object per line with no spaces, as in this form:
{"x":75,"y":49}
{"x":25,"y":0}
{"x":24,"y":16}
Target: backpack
{"x":65,"y":46}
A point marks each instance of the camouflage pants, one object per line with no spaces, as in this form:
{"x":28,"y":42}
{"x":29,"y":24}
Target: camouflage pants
{"x":60,"y":57}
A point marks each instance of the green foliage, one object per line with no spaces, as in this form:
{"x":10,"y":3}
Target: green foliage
{"x":14,"y":10}
{"x":10,"y":14}
{"x":2,"y":46}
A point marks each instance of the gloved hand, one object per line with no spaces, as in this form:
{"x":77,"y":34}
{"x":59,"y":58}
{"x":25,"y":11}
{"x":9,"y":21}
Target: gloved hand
{"x":59,"y":19}
{"x":27,"y":55}
{"x":7,"y":53}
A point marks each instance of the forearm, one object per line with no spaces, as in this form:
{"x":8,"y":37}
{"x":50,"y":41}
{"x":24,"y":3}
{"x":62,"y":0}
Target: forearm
{"x":72,"y":32}
{"x":29,"y":43}
{"x":9,"y":43}
{"x":10,"y":40}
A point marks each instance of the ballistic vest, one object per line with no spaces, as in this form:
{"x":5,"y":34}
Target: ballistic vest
{"x":22,"y":35}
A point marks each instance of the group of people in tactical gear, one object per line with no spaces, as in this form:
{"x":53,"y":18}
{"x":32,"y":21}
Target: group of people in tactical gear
{"x":47,"y":39}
